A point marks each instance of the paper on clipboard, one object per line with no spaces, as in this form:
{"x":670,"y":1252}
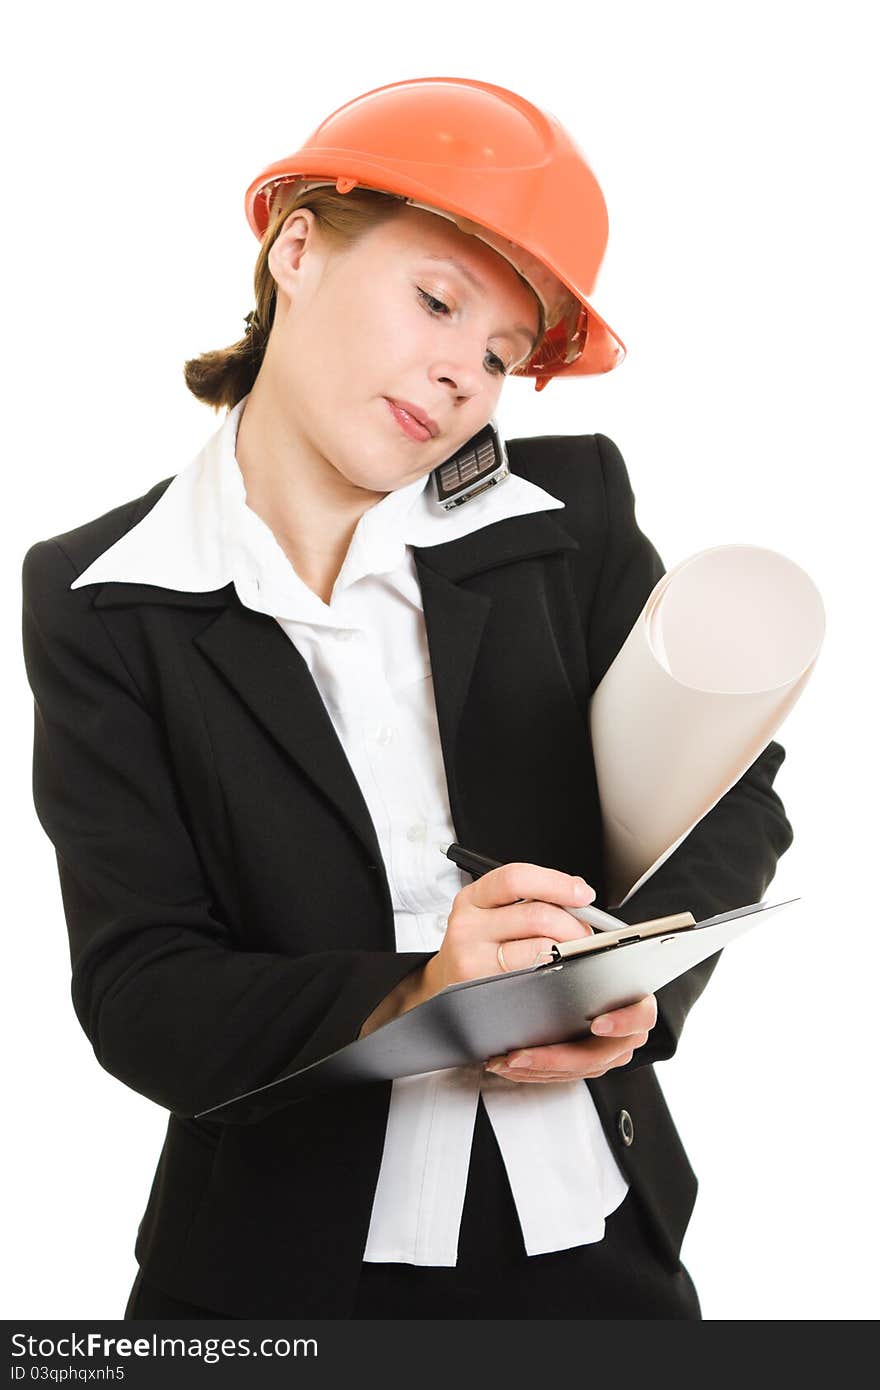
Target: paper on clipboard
{"x":718,"y":657}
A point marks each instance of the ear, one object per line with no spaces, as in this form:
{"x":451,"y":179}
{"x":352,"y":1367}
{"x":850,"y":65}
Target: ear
{"x":297,"y":235}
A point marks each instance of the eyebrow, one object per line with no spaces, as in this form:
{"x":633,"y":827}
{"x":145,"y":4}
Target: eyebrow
{"x":480,"y":286}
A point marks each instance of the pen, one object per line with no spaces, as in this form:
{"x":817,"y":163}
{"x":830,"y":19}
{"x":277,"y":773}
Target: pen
{"x":478,"y":864}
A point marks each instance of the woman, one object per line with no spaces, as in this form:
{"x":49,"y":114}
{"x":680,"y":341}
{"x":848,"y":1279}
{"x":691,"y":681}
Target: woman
{"x":271,"y":691}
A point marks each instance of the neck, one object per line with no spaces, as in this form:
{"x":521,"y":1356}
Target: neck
{"x":309,"y":506}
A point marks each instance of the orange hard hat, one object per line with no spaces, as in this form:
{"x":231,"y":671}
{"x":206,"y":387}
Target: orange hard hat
{"x":500,"y":169}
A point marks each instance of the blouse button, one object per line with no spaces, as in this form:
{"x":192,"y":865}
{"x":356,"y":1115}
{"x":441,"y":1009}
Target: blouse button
{"x":385,"y":734}
{"x":416,"y":831}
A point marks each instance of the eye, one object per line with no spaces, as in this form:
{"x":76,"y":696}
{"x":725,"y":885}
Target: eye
{"x":429,"y":300}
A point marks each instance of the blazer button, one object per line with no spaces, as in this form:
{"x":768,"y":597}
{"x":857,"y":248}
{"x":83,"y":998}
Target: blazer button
{"x":625,"y":1127}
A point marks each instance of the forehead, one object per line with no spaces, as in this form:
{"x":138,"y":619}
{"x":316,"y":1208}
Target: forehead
{"x":427,"y":234}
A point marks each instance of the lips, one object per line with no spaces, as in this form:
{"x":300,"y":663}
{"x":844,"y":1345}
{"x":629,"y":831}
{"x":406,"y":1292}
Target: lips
{"x":416,"y":413}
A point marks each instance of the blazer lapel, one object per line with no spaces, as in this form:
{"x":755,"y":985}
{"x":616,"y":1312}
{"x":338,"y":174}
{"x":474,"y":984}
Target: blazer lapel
{"x":454,"y":622}
{"x":456,"y":616}
{"x":257,"y":659}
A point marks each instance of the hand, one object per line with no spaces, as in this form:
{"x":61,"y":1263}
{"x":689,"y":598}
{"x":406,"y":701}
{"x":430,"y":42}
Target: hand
{"x":514,"y":905}
{"x":614,"y":1047}
{"x":520,"y":906}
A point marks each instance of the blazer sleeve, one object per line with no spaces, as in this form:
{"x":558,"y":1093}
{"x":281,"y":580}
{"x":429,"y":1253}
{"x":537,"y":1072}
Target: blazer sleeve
{"x":730,"y":856}
{"x":169,"y":1003}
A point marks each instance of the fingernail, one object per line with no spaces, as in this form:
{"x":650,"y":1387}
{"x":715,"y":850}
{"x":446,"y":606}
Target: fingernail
{"x":602,"y":1025}
{"x":523,"y":1061}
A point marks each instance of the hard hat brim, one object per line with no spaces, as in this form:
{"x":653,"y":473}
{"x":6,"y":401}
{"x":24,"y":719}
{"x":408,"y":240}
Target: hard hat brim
{"x":582,"y":344}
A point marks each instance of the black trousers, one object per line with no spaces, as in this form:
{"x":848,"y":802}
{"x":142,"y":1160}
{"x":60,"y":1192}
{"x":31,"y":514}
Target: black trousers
{"x":620,"y":1276}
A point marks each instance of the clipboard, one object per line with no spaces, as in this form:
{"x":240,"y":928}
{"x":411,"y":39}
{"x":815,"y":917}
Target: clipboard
{"x":546,"y":1003}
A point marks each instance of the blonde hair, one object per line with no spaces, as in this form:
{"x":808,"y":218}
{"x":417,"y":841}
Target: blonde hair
{"x":223,"y":376}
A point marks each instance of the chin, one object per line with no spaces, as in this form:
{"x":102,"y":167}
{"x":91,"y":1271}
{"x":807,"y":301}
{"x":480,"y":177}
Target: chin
{"x":372,"y":483}
{"x":375,"y":479}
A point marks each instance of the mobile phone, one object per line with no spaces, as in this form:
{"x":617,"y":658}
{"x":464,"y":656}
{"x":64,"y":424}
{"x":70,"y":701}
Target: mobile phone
{"x":479,"y":464}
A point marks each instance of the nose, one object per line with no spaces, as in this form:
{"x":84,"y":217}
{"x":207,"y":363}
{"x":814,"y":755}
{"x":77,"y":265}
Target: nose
{"x":464,"y":379}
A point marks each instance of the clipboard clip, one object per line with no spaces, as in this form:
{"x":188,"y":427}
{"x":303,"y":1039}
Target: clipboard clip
{"x":558,"y":950}
{"x":615,"y":940}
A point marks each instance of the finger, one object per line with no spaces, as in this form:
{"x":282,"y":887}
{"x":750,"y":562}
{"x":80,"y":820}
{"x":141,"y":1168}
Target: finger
{"x":522,"y":955}
{"x":574,"y":1057}
{"x":623,"y":1060}
{"x":631,"y":1019}
{"x":532,"y":920}
{"x":583,"y":1072}
{"x":513,"y":882}
{"x":577,"y":1057}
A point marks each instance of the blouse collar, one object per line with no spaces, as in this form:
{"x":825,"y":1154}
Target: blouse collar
{"x":202,"y":535}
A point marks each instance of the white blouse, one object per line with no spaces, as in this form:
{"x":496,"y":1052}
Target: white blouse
{"x":368,"y":655}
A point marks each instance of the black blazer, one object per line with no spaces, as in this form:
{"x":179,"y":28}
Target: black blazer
{"x":228,"y":911}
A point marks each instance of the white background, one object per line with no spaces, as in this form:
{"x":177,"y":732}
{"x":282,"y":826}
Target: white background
{"x":733,"y":146}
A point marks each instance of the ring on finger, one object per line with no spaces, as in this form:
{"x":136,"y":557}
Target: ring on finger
{"x":538,"y":955}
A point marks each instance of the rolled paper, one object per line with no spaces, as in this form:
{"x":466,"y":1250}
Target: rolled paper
{"x":716,"y":660}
